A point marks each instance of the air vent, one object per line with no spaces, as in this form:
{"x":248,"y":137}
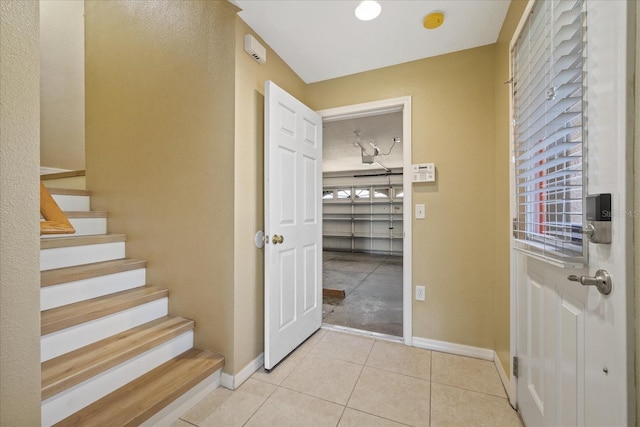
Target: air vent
{"x":255,"y":49}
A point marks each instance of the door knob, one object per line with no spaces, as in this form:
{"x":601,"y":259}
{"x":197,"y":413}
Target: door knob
{"x":277,"y":239}
{"x":602,"y":281}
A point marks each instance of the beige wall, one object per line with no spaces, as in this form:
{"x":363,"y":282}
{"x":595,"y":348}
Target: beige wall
{"x":502,"y":211}
{"x":453,"y":104}
{"x":19,"y":214}
{"x":160,"y":147}
{"x":62,"y":84}
{"x":249,"y":194}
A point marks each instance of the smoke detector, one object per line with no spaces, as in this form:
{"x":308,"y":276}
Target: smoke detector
{"x":255,"y":49}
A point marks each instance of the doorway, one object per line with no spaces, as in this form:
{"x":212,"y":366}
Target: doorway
{"x":366,"y":220}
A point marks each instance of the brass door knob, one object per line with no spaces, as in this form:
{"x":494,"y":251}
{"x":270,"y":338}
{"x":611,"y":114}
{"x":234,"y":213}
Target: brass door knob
{"x":277,"y":239}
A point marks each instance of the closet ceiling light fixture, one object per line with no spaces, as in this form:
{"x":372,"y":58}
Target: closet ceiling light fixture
{"x":368,"y":10}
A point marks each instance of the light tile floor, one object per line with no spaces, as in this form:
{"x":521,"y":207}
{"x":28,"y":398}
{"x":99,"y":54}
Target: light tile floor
{"x":336,"y":379}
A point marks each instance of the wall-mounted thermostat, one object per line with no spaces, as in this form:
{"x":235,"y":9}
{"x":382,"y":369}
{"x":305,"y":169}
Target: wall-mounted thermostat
{"x":424,"y":172}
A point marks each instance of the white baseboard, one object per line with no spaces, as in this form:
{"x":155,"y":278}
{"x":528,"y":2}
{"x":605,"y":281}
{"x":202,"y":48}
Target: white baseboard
{"x":232,"y":382}
{"x":459,"y":349}
{"x":469,"y":351}
{"x":503,"y":376}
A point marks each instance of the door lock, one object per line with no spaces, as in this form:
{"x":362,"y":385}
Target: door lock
{"x":602,"y":281}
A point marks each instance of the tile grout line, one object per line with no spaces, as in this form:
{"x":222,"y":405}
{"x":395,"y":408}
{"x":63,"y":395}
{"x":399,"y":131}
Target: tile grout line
{"x":430,"y":386}
{"x":358,"y":379}
{"x":260,"y":407}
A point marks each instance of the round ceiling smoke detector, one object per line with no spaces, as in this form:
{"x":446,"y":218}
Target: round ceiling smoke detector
{"x":368,"y":10}
{"x":433,"y":20}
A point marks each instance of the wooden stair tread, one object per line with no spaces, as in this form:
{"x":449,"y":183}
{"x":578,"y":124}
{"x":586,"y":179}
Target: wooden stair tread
{"x":59,"y":175}
{"x":59,"y":318}
{"x":86,"y":214}
{"x":63,"y":242}
{"x":87,"y":271}
{"x":68,"y":192}
{"x":72,"y":368}
{"x":140,"y":399}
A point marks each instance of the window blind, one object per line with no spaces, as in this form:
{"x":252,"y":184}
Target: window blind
{"x":548,"y":89}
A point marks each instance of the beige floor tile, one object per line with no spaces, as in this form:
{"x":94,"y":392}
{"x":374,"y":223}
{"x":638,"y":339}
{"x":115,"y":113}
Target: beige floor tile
{"x":311,"y":342}
{"x":288,"y":408}
{"x":236,"y":409}
{"x":392,"y":396}
{"x":323,"y":377}
{"x":208,"y":404}
{"x":353,"y":418}
{"x":466,"y":372}
{"x":451,"y":406}
{"x":347,"y":347}
{"x":402,"y":359}
{"x":281,"y":371}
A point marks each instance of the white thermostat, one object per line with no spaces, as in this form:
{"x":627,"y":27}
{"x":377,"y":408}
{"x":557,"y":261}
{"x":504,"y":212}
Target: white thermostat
{"x":424,"y":172}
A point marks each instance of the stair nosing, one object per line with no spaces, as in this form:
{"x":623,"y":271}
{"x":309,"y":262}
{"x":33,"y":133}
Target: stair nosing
{"x":86,"y":214}
{"x":86,"y":362}
{"x":87,"y":271}
{"x":64,"y":242}
{"x":157,"y":379}
{"x":95,"y":308}
{"x":68,"y":192}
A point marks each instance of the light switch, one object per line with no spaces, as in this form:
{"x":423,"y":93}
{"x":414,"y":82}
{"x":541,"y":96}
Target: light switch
{"x":419,"y":211}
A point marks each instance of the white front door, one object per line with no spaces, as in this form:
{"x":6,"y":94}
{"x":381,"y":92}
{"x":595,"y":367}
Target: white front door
{"x":293,"y":223}
{"x":575,"y":345}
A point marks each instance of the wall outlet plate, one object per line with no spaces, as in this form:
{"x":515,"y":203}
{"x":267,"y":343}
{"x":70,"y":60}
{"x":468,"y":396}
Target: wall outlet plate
{"x":420,"y":291}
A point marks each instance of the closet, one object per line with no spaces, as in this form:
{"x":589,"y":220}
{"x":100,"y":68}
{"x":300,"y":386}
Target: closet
{"x":362,"y":212}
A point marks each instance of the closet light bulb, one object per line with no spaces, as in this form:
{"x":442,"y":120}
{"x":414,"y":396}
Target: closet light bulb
{"x":368,"y":10}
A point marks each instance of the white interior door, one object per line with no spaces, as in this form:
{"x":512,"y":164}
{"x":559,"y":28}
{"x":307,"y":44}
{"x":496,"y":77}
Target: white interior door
{"x":575,"y":345}
{"x":293,"y":223}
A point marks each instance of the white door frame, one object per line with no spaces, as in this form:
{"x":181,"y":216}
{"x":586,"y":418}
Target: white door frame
{"x":381,"y":107}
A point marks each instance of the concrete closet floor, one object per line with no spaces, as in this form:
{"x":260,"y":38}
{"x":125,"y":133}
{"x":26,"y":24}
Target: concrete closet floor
{"x":373,"y":288}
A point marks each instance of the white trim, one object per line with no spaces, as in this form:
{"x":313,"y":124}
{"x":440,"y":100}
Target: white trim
{"x":226,"y":380}
{"x":44,"y":170}
{"x":361,"y":332}
{"x":452,"y":348}
{"x":503,"y":377}
{"x":378,"y":107}
{"x":513,"y":267}
{"x":232,"y":382}
{"x":172,"y":412}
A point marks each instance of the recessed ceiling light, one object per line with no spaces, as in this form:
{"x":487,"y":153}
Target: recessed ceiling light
{"x":368,"y":10}
{"x":433,"y":20}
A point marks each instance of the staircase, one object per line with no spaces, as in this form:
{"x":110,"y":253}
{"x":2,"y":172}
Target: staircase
{"x":111,"y":354}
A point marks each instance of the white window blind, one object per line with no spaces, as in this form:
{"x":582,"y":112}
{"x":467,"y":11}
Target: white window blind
{"x":548,"y":124}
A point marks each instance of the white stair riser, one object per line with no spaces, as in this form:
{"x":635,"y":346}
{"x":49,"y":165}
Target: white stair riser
{"x":81,"y":290}
{"x":80,"y":255}
{"x":60,"y":406}
{"x":72,"y":203}
{"x":66,"y":340}
{"x":84,"y":227}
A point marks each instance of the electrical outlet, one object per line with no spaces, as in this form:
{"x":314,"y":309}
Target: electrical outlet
{"x":420,"y":291}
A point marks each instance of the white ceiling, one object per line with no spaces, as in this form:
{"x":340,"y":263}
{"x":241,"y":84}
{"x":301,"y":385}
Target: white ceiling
{"x":339,"y":153}
{"x":322,"y":39}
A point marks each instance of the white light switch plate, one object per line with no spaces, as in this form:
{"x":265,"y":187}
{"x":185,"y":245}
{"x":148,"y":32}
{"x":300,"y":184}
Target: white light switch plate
{"x":420,"y":211}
